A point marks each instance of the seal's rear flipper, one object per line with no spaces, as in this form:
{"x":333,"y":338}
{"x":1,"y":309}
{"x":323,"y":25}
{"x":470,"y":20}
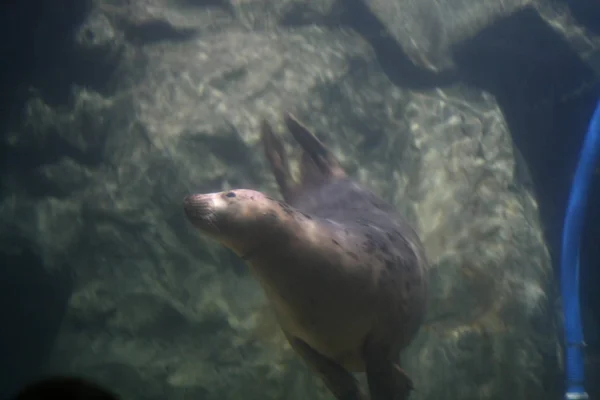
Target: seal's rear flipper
{"x":325,"y":161}
{"x":340,"y":382}
{"x":386,"y":379}
{"x":277,"y":157}
{"x":310,"y":174}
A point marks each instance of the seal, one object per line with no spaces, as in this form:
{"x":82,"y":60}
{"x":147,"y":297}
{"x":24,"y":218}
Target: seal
{"x":345,"y":274}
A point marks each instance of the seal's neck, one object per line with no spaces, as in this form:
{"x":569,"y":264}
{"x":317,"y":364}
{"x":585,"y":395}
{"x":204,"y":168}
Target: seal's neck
{"x":252,"y":252}
{"x":263,"y":245}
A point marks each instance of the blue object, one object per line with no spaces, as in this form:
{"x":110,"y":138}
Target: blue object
{"x":574,"y":360}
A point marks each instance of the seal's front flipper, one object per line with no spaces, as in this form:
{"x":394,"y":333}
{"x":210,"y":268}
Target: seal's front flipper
{"x":340,"y":382}
{"x":322,"y":157}
{"x":277,"y":157}
{"x":387,"y":381}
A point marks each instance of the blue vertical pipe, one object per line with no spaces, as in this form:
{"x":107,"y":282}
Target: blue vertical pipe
{"x":571,"y":242}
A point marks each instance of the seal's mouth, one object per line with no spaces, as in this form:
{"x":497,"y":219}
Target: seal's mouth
{"x":200,"y":211}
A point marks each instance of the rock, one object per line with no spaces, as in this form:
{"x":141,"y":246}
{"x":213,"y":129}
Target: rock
{"x":156,"y":311}
{"x":427,"y":30}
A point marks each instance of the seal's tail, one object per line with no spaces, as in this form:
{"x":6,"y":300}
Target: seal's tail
{"x":310,"y":174}
{"x":318,"y":164}
{"x":324,"y":159}
{"x":277,"y":157}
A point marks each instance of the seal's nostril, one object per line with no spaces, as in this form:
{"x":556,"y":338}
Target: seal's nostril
{"x":197,"y":206}
{"x":190,"y":205}
{"x":192,"y":199}
{"x":186,"y":199}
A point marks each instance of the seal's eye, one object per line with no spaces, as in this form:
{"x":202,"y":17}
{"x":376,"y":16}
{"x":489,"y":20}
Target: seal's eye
{"x":230,"y":194}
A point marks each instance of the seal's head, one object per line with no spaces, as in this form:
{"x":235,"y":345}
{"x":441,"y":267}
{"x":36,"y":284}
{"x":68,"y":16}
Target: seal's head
{"x":240,"y":219}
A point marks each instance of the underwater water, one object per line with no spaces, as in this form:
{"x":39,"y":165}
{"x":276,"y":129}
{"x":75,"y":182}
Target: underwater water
{"x":461,"y":121}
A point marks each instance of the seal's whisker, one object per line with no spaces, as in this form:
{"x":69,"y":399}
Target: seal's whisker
{"x":210,"y":220}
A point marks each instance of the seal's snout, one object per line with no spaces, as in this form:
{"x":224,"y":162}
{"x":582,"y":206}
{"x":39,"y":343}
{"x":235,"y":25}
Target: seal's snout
{"x":197,"y":207}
